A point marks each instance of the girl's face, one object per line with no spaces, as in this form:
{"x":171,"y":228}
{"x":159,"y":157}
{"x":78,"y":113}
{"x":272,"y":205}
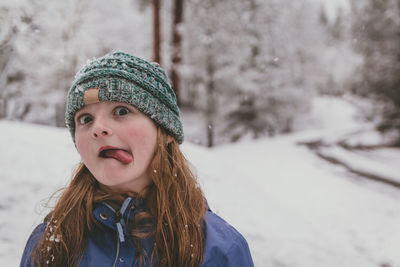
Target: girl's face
{"x":116,"y":143}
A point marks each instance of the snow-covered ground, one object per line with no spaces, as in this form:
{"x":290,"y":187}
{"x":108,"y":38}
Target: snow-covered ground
{"x":295,"y":209}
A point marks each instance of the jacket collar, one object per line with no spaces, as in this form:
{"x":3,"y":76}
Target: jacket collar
{"x":119,"y":219}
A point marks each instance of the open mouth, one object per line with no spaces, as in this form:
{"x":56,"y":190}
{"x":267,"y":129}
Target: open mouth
{"x":119,"y":154}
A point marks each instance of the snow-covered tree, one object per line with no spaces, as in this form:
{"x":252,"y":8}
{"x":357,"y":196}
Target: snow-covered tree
{"x":376,"y":30}
{"x":250,"y":67}
{"x":51,"y":40}
{"x":263,"y":57}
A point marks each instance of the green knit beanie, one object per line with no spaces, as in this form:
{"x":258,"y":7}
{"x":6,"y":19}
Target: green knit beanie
{"x":125,"y":78}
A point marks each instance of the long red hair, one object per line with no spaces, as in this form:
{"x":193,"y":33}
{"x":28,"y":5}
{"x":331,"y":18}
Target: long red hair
{"x":175,"y":206}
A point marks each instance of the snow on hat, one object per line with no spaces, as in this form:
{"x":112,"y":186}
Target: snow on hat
{"x":125,"y":78}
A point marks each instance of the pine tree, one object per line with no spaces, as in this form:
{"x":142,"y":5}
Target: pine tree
{"x":376,"y":28}
{"x":259,"y":58}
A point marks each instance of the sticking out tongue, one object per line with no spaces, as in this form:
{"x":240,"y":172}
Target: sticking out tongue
{"x":118,"y":154}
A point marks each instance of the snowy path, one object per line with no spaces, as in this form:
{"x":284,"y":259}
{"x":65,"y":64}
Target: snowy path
{"x":294,"y":209}
{"x":297,"y":210}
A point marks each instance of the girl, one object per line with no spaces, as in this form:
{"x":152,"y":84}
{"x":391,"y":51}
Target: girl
{"x":133,"y":200}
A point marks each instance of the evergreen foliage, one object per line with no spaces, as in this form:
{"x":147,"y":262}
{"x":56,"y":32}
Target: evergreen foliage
{"x":250,"y":67}
{"x":263,"y":57}
{"x":376,"y":30}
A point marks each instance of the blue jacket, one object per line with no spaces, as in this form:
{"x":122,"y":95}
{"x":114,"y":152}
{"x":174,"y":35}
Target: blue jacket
{"x":110,"y":245}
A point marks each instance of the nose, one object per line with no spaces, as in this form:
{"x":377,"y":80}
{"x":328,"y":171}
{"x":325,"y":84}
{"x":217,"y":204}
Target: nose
{"x":100,"y":129}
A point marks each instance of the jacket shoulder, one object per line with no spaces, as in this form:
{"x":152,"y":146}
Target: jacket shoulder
{"x":224,"y":245}
{"x":34,"y":238}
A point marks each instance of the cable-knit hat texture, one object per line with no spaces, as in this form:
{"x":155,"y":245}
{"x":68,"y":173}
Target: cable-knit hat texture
{"x":125,"y":78}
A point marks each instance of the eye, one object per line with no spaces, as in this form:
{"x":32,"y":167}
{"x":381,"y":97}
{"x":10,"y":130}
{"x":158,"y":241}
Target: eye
{"x":121,"y":111}
{"x":85,"y":118}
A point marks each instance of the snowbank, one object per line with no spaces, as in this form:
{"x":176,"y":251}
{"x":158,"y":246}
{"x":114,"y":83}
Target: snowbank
{"x":294,"y":209}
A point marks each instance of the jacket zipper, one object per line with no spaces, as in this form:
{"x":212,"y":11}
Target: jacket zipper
{"x":118,"y":238}
{"x":120,"y":235}
{"x":117,"y":221}
{"x":117,"y":254}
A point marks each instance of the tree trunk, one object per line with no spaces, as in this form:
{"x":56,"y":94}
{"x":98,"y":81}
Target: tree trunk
{"x":253,"y":30}
{"x":156,"y":32}
{"x":6,"y":55}
{"x":176,"y":46}
{"x":210,"y":110}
